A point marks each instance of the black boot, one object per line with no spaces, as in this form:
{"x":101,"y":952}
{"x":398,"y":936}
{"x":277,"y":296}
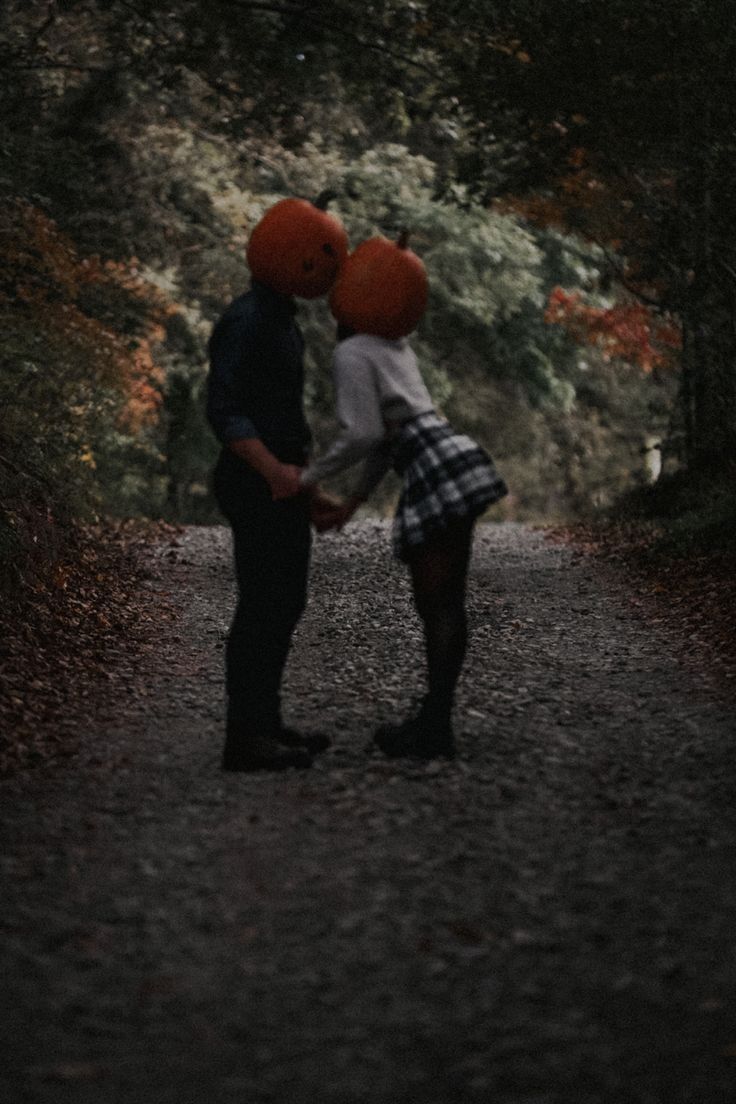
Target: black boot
{"x":245,"y":752}
{"x":313,"y":742}
{"x":421,"y":737}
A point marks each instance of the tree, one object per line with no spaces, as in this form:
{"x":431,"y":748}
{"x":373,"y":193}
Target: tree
{"x":150,"y":125}
{"x":642,"y":93}
{"x":78,"y":377}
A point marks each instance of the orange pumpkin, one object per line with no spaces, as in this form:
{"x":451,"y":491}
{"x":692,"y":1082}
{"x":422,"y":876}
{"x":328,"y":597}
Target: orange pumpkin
{"x":297,"y":247}
{"x":381,"y":289}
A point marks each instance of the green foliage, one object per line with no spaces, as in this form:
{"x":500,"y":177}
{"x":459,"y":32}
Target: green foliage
{"x":646,"y":98}
{"x":76,"y":379}
{"x":47,"y":421}
{"x":695,"y":512}
{"x":181,"y":126}
{"x":703,"y":530}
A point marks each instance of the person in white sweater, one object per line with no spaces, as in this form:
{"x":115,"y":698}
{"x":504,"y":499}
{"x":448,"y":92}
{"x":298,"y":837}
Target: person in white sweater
{"x":387,"y":419}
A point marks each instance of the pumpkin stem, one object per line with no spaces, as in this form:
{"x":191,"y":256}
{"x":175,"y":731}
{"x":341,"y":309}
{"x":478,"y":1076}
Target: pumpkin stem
{"x":403,"y":240}
{"x":324,"y":198}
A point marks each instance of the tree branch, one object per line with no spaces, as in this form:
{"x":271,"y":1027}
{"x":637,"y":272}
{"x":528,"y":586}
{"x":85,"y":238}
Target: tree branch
{"x":50,"y":18}
{"x":50,"y":65}
{"x":29,"y":472}
{"x":336,"y":27}
{"x":10,"y":465}
{"x":302,"y":10}
{"x":727,"y":268}
{"x":623,"y":279}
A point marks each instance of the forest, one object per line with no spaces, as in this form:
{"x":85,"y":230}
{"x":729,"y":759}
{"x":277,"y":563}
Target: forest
{"x":471,"y":843}
{"x":564,"y":171}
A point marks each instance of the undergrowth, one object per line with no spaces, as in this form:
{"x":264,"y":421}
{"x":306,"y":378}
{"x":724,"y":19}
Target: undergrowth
{"x":687,"y":514}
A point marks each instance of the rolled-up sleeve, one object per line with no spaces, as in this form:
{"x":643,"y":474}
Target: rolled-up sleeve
{"x":224,"y":403}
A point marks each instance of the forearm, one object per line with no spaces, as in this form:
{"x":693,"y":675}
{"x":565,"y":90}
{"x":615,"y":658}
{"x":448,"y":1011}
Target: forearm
{"x":256,"y":455}
{"x":346,"y":450}
{"x":359,"y":418}
{"x":283,"y":479}
{"x":375,"y":467}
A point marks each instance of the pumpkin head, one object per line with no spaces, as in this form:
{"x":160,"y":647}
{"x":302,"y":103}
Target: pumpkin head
{"x":381,"y":289}
{"x":297,"y":248}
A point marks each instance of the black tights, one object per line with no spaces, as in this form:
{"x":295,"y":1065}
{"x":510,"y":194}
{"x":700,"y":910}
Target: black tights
{"x":439,"y":572}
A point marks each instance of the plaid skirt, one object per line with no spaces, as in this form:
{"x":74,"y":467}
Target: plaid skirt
{"x":446,"y":475}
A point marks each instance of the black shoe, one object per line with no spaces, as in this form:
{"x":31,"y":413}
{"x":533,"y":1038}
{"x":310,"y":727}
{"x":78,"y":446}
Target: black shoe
{"x":313,"y":742}
{"x":264,"y":755}
{"x":415,"y":738}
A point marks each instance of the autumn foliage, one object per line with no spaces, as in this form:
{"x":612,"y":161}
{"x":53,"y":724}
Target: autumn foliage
{"x":629,"y":331}
{"x":46,"y":282}
{"x":605,"y":209}
{"x":78,"y":370}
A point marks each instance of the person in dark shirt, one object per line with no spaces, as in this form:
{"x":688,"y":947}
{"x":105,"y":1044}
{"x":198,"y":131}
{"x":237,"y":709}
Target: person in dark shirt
{"x":255,"y":407}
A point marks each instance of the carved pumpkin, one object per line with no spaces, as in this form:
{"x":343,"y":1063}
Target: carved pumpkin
{"x":381,"y":289}
{"x":297,"y":247}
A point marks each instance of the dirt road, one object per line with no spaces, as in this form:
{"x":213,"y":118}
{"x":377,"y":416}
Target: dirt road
{"x":551,"y":919}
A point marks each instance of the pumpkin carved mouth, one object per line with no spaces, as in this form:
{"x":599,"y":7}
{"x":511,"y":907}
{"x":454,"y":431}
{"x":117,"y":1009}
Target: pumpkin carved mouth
{"x":297,"y":247}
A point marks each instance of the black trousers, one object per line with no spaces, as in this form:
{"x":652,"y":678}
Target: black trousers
{"x":271,"y":542}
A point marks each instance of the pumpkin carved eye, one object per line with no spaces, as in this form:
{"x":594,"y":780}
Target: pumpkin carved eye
{"x":297,"y":248}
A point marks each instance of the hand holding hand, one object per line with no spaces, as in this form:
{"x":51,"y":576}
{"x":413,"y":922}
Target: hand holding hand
{"x":283,"y":479}
{"x":328,"y":512}
{"x":329,"y":517}
{"x":322,"y":509}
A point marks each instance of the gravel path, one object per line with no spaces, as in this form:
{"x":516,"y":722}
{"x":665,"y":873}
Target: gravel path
{"x":549,"y":920}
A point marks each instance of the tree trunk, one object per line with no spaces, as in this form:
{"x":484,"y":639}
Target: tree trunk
{"x":709,"y":382}
{"x":708,"y":390}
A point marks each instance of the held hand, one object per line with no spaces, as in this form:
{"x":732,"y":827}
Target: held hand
{"x":349,"y":506}
{"x":322,"y":510}
{"x":320,"y":500}
{"x":327,"y":512}
{"x":283,"y":480}
{"x":328,"y":517}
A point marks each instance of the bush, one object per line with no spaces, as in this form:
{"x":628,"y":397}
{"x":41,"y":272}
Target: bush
{"x":695,"y":512}
{"x":77,"y":377}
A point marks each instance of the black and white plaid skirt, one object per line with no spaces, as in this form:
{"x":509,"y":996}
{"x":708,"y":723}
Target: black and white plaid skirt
{"x":446,"y":475}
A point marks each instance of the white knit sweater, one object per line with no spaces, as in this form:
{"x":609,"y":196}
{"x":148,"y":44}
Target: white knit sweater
{"x":377,"y":387}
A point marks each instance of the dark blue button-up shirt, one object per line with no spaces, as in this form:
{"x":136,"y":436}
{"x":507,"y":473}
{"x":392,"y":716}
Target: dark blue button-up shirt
{"x":256,"y":379}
